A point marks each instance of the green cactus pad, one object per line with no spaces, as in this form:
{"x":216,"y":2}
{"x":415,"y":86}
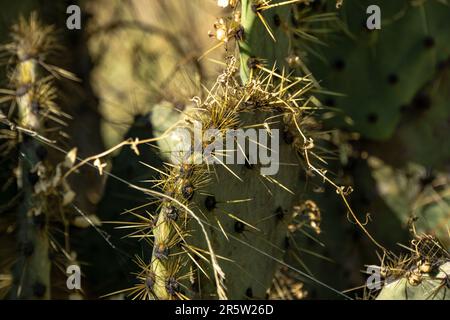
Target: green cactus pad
{"x":255,"y":239}
{"x":257,"y":42}
{"x":380,"y":71}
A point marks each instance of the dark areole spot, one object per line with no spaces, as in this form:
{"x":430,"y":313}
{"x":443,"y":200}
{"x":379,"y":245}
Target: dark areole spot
{"x":41,"y":153}
{"x":150,"y":281}
{"x":253,"y":62}
{"x":287,"y":243}
{"x":210,"y":203}
{"x":172,"y":213}
{"x":27,"y":248}
{"x":429,"y":42}
{"x":339,"y":65}
{"x":172,"y":286}
{"x":392,"y":79}
{"x":33,"y":178}
{"x":39,"y":221}
{"x":372,"y":118}
{"x":330,"y":102}
{"x":39,"y":289}
{"x":240,"y":33}
{"x":188,"y":191}
{"x":249,"y":292}
{"x":422,"y":101}
{"x":288,"y":137}
{"x":276,"y":20}
{"x":161,"y":252}
{"x":239,"y":227}
{"x":279,"y":213}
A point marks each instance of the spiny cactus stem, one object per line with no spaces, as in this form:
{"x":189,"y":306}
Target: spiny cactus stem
{"x":33,"y":265}
{"x":168,"y":240}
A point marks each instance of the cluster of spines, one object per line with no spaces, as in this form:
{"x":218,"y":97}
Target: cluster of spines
{"x":422,"y":271}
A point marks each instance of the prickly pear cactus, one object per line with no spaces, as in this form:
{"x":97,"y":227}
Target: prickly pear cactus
{"x":378,"y":72}
{"x":419,"y":190}
{"x":423,"y":126}
{"x":217,"y":222}
{"x":228,"y":200}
